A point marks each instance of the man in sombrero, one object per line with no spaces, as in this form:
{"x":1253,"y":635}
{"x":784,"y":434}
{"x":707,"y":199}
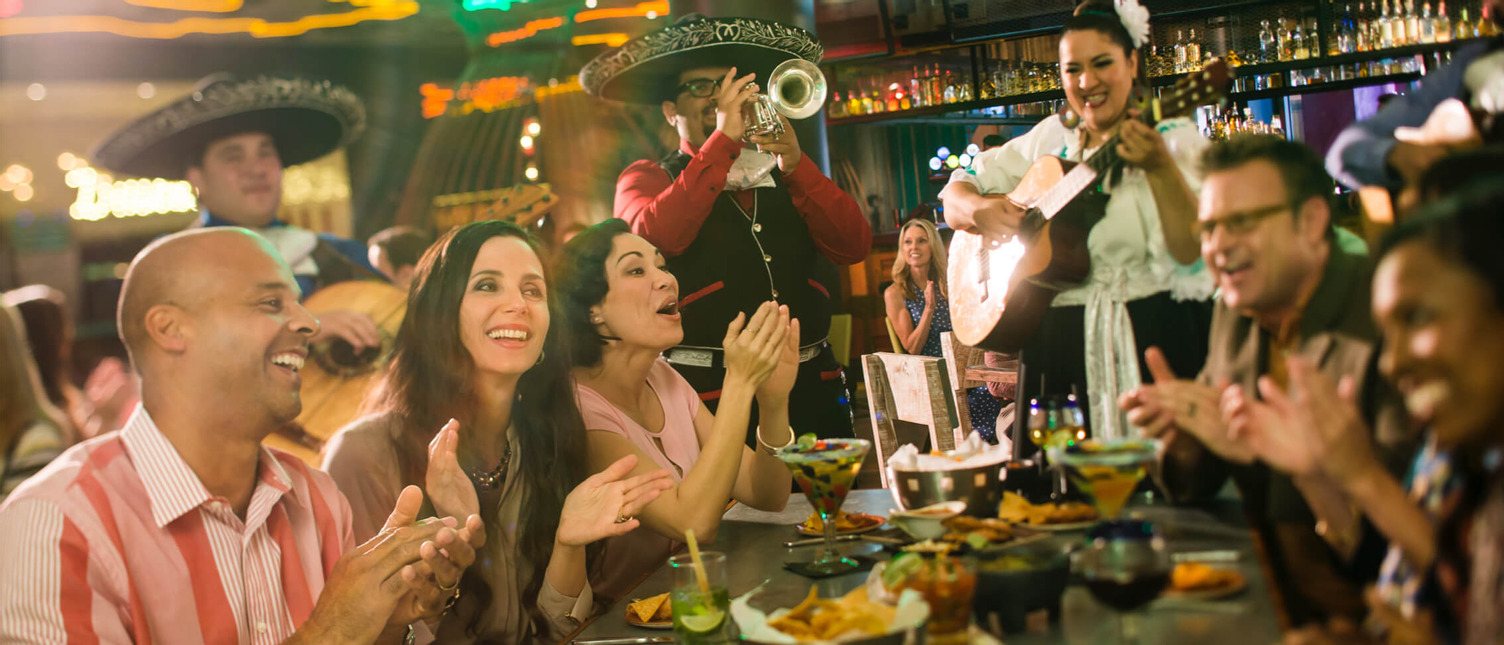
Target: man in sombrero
{"x":231,"y":139}
{"x":739,"y":226}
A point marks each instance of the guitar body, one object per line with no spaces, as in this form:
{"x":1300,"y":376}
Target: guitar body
{"x":999,"y":292}
{"x":336,"y":380}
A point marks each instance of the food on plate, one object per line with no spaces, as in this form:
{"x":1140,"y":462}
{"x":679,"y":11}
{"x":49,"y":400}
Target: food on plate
{"x":820,"y":619}
{"x":844,"y":521}
{"x":1195,"y":576}
{"x":651,"y":610}
{"x":962,"y":527}
{"x":1014,"y":508}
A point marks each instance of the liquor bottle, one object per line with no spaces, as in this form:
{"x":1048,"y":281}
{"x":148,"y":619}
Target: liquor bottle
{"x":1375,"y":28}
{"x":1412,"y":24}
{"x":1076,"y":419}
{"x":894,"y":97}
{"x":1464,"y":28}
{"x":1180,"y":52}
{"x":1360,"y":30}
{"x":1486,"y":27}
{"x":916,"y":96}
{"x":1443,"y":23}
{"x":1298,"y":44}
{"x":837,"y":107}
{"x":1192,"y":53}
{"x":1347,"y":32}
{"x":937,"y":86}
{"x":1427,"y":24}
{"x":1286,"y":41}
{"x":854,"y":101}
{"x":1268,"y":43}
{"x":1386,"y":26}
{"x":867,"y":105}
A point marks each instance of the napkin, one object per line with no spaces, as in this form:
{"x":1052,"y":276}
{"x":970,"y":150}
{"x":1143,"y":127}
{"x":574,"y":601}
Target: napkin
{"x":973,"y":452}
{"x":752,"y":169}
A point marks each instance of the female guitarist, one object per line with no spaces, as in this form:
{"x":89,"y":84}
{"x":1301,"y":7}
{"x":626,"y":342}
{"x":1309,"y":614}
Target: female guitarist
{"x":1147,"y":286}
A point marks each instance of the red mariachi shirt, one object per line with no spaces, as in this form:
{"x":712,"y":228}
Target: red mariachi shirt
{"x":669,"y":212}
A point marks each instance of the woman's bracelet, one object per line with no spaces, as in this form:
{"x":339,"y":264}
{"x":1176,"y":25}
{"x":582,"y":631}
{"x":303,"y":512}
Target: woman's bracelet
{"x":769,"y":449}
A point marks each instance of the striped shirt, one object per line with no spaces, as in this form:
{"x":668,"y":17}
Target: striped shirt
{"x":117,"y":541}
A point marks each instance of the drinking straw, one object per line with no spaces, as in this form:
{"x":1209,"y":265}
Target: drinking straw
{"x":694,"y":555}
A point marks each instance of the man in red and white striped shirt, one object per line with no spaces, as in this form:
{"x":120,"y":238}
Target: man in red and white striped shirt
{"x":182,"y":527}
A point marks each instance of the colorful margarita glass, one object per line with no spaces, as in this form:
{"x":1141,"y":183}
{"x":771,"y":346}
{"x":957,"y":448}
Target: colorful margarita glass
{"x":826,"y":470}
{"x":1107,"y":471}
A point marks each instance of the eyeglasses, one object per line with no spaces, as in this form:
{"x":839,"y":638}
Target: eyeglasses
{"x":699,"y":88}
{"x":1238,"y":223}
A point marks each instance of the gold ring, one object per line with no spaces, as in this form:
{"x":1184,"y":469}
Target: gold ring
{"x":622,"y":519}
{"x":451,"y":588}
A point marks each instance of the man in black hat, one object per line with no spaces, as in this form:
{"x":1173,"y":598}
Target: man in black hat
{"x":739,"y":226}
{"x":231,"y":140}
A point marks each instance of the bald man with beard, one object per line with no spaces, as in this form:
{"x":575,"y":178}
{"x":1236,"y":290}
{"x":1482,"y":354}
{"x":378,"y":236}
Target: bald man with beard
{"x":182,"y":527}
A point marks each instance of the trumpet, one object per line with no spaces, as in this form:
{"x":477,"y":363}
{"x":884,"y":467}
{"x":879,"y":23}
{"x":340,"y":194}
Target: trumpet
{"x":796,"y":90}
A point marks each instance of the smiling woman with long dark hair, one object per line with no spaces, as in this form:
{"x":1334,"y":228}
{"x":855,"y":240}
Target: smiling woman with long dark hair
{"x":478,"y":322}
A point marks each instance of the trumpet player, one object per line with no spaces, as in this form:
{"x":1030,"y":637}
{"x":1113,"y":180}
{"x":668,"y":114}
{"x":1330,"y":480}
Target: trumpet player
{"x":739,"y":212}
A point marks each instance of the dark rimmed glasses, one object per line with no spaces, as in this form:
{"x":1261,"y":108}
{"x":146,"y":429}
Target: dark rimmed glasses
{"x":1239,"y":223}
{"x":699,"y":87}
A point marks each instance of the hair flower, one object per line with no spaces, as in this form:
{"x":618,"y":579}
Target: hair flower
{"x":1136,"y":20}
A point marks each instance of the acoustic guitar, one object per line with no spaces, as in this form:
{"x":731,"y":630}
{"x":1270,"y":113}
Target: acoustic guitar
{"x":1001,"y":289}
{"x":336,"y":378}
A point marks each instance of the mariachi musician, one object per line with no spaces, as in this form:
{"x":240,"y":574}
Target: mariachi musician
{"x":231,"y":139}
{"x":739,"y":226}
{"x":1147,"y":286}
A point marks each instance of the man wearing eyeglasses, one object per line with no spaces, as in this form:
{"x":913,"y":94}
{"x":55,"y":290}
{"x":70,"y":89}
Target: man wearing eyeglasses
{"x":1288,"y":288}
{"x":739,"y":225}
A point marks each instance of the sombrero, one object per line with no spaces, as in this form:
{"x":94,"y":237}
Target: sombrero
{"x":645,"y":69}
{"x":307,"y":120}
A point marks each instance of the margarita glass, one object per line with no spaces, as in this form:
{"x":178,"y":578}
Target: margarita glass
{"x":1107,"y":471}
{"x":825,"y":470}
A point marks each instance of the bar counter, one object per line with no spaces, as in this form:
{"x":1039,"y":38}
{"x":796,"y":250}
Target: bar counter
{"x":753,"y":541}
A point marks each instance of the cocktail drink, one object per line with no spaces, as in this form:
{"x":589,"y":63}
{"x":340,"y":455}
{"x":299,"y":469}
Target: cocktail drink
{"x":1107,"y":471}
{"x":825,"y":470}
{"x":947,"y":585}
{"x":702,"y":615}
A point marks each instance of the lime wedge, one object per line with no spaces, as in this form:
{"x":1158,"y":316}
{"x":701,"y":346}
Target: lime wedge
{"x":900,"y":568}
{"x":977,"y":541}
{"x":806,"y":441}
{"x":702,"y":623}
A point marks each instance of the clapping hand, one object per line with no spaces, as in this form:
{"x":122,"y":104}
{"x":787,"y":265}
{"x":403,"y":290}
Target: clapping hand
{"x":448,"y":486}
{"x":753,"y":351}
{"x":606,"y":503}
{"x":1172,"y":405}
{"x":1314,"y":427}
{"x":781,"y":382}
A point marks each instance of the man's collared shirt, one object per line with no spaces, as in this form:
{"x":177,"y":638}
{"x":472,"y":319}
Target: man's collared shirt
{"x":118,"y":541}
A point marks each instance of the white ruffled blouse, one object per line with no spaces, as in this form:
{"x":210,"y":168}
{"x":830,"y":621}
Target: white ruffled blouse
{"x":1129,"y":257}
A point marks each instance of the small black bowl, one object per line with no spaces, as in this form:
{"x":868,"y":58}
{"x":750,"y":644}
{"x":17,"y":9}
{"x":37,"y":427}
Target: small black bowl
{"x":1033,"y":578}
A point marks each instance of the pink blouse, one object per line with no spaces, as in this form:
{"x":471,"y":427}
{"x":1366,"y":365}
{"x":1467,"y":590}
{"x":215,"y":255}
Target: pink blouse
{"x":674,"y":447}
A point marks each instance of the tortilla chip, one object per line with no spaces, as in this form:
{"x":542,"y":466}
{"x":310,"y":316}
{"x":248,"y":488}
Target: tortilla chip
{"x":647,"y":609}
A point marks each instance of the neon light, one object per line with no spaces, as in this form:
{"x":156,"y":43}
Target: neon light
{"x":207,"y":6}
{"x":610,"y":40}
{"x":656,"y":7}
{"x":377,"y":10}
{"x":527,"y":31}
{"x":504,"y":5}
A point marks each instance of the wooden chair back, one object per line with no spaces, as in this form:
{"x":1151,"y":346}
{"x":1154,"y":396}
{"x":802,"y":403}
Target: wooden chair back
{"x":905,"y":389}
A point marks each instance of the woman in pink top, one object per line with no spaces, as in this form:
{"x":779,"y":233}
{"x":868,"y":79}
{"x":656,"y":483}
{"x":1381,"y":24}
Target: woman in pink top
{"x":621,"y":308}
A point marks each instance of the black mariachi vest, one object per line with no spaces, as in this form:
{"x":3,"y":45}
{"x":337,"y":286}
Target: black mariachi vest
{"x":740,"y":259}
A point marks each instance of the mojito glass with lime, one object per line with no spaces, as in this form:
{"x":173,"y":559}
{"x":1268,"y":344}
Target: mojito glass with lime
{"x":701,"y":609}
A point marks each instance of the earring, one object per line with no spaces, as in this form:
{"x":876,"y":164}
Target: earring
{"x":541,"y":354}
{"x":596,"y":320}
{"x":1069,"y":118}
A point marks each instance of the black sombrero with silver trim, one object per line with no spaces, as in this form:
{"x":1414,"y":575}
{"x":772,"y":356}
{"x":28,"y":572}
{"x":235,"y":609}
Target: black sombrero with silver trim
{"x":307,"y":120}
{"x":645,"y":69}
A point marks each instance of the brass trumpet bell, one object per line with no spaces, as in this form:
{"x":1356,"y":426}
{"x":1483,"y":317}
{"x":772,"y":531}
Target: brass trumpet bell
{"x":796,"y":89}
